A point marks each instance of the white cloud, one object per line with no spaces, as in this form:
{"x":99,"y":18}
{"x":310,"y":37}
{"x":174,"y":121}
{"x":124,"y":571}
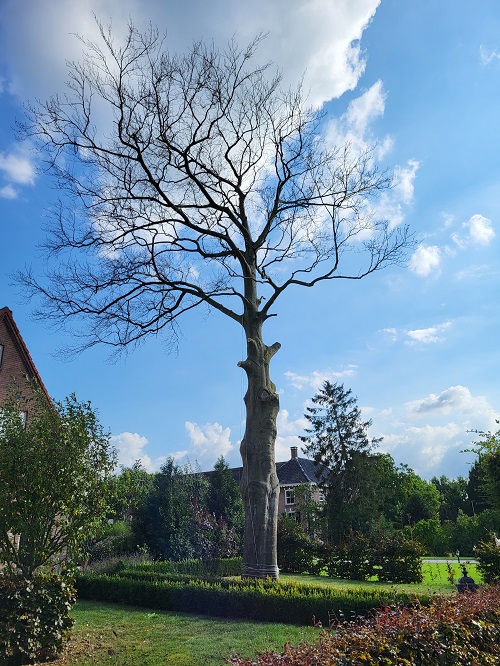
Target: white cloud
{"x":315,"y":38}
{"x":130,"y":447}
{"x":435,"y":447}
{"x":472,"y":409}
{"x":427,"y":335}
{"x":425,"y":260}
{"x":17,"y":167}
{"x":208,"y":442}
{"x":478,"y":231}
{"x":8,"y":192}
{"x":488,"y":55}
{"x":316,"y":379}
{"x":403,"y":180}
{"x":363,"y":110}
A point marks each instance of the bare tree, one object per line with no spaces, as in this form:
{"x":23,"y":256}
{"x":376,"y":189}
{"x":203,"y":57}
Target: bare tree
{"x":195,"y":181}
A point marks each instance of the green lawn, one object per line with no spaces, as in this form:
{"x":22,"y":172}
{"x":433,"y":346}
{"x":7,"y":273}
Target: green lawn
{"x":436,"y":579}
{"x":109,"y":634}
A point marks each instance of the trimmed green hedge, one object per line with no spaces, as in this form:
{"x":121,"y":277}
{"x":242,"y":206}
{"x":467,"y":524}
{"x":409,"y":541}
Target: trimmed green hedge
{"x":270,"y":601}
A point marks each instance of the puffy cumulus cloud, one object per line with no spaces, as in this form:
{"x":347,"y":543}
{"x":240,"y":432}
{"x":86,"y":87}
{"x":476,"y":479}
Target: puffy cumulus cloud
{"x":472,"y":409}
{"x":315,"y":38}
{"x":424,"y":448}
{"x":208,"y":442}
{"x":435,"y":447}
{"x":288,"y":435}
{"x":130,"y":447}
{"x":316,"y":379}
{"x":17,"y":167}
{"x":427,"y":336}
{"x":478,"y":231}
{"x":425,"y":260}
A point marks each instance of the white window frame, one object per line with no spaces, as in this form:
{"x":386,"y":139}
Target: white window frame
{"x":289,"y":496}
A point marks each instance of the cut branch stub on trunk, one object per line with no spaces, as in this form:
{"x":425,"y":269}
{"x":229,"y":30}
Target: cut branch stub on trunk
{"x":259,"y":484}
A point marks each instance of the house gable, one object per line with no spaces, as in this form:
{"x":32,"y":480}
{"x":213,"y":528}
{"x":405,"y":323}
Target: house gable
{"x":16,"y":363}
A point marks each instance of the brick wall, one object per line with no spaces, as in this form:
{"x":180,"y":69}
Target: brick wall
{"x":16,"y":363}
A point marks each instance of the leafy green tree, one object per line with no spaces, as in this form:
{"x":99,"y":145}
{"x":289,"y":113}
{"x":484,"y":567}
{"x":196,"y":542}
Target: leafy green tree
{"x":476,"y":488}
{"x":209,"y":188}
{"x":166,"y":520}
{"x":420,"y":499}
{"x":361,"y":496}
{"x":454,"y":496}
{"x":487,"y":449}
{"x":432,"y":536}
{"x":129,"y":489}
{"x":54,"y":490}
{"x":224,"y":496}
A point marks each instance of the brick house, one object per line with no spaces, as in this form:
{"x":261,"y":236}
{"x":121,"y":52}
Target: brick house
{"x":292,"y":474}
{"x":16,"y":364}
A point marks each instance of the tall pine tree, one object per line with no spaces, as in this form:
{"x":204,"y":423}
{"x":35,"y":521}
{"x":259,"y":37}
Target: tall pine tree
{"x":336,"y":429}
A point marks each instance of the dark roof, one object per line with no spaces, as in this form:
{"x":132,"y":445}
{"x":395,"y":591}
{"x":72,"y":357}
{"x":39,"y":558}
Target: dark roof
{"x":292,"y":472}
{"x":300,"y":470}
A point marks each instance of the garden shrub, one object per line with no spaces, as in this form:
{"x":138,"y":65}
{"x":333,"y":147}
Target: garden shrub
{"x":459,"y":630}
{"x":271,"y":601}
{"x":397,"y":560}
{"x":488,"y":556}
{"x":34,"y":617}
{"x":295,"y":551}
{"x":432,"y":536}
{"x":351,"y":559}
{"x":391,"y":558}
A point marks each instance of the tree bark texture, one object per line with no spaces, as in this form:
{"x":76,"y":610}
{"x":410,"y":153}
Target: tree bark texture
{"x":259,"y":484}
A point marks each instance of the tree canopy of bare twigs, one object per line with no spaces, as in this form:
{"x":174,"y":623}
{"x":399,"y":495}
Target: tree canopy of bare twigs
{"x":195,"y":180}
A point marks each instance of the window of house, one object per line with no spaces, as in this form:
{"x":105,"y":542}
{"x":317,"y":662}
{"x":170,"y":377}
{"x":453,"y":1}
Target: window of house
{"x":289,"y":496}
{"x":293,"y":515}
{"x":1,"y":354}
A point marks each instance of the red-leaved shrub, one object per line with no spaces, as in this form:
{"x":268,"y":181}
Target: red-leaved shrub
{"x":459,"y":630}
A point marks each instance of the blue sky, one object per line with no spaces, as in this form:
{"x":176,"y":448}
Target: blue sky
{"x":418,"y":345}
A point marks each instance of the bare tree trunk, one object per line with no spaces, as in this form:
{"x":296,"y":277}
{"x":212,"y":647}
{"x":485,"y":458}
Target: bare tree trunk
{"x":259,"y":485}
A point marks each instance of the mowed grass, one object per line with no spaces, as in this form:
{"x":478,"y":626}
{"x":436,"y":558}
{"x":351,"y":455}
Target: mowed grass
{"x":436,"y":579}
{"x":109,"y":634}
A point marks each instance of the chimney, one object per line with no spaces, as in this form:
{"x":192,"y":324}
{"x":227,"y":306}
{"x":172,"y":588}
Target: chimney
{"x":293,"y":450}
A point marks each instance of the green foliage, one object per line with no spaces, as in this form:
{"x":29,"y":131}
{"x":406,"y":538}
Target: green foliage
{"x":487,"y":449}
{"x":432,"y":536}
{"x":295,"y":551}
{"x":351,"y":559}
{"x":165,"y":521}
{"x":390,"y":558}
{"x":129,"y":490}
{"x":454,"y":497}
{"x":224,"y":496}
{"x":116,"y":539}
{"x":270,"y":601}
{"x":53,"y":482}
{"x":34,"y":620}
{"x":336,"y":429}
{"x":398,"y":560}
{"x":452,"y":631}
{"x":488,"y":556}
